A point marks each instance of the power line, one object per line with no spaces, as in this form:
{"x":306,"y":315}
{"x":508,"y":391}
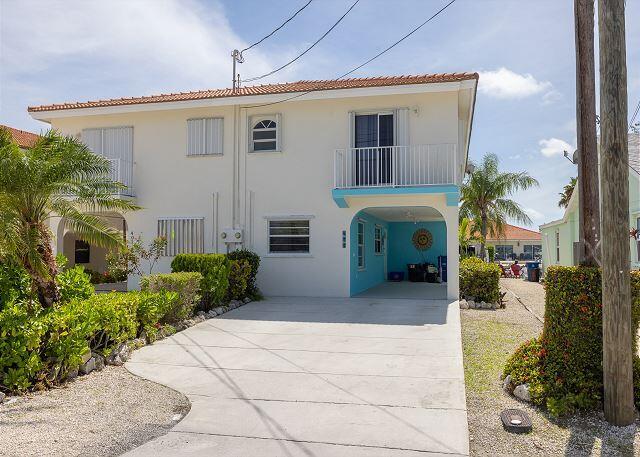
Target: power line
{"x":363,"y":64}
{"x":635,"y":114}
{"x":278,"y":28}
{"x":255,"y":78}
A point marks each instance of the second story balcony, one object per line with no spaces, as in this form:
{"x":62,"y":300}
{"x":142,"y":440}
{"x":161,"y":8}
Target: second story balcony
{"x":395,"y":166}
{"x":122,"y":172}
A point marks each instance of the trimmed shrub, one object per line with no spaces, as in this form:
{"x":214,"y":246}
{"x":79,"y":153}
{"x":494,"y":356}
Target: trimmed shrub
{"x":239,"y":273}
{"x":20,"y":339}
{"x":479,"y":280}
{"x":74,"y":283}
{"x":568,"y":368}
{"x":153,"y":308}
{"x":185,"y":284}
{"x":254,"y":262}
{"x":15,"y":284}
{"x":214,"y":269}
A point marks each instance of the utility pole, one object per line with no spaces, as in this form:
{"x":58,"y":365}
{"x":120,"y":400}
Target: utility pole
{"x":237,"y":58}
{"x":616,"y":290}
{"x":588,"y":193}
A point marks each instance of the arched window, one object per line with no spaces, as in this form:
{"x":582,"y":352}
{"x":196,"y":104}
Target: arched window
{"x":264,"y":134}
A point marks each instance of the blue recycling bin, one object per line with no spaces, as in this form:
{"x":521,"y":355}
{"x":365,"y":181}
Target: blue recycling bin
{"x":533,"y":271}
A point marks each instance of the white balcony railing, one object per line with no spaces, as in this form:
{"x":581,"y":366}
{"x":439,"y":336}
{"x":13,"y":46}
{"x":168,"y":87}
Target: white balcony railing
{"x":394,"y":166}
{"x":122,"y":172}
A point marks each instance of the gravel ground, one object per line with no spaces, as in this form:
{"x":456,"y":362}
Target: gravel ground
{"x":103,"y":414}
{"x":489,"y":337}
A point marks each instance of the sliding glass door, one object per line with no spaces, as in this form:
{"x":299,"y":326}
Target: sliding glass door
{"x":374,"y":138}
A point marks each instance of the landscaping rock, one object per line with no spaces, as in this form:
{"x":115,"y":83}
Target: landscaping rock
{"x":139,"y":342}
{"x":85,"y":357}
{"x":2,"y":397}
{"x":235,"y":304}
{"x":88,"y":366}
{"x":199,"y":318}
{"x":72,"y":374}
{"x":211,"y":314}
{"x":201,"y":313}
{"x":471,"y":304}
{"x":521,"y":392}
{"x":246,"y":300}
{"x":506,"y":382}
{"x":464,"y":304}
{"x":119,"y":355}
{"x":219,"y":310}
{"x":99,"y":361}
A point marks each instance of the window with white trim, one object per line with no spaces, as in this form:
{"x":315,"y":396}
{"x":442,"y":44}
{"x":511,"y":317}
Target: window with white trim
{"x":289,"y":236}
{"x":557,"y":246}
{"x":184,"y":235}
{"x":638,"y":238}
{"x":360,"y":243}
{"x":265,"y":133}
{"x":377,"y":240}
{"x":204,"y":136}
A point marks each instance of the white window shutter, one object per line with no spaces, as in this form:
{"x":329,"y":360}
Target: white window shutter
{"x":402,"y":126}
{"x":352,"y":129}
{"x":92,"y":138}
{"x":205,"y":136}
{"x":117,"y":143}
{"x":183,"y":235}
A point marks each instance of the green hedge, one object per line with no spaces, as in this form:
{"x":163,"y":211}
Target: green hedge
{"x":40,"y":347}
{"x":185,"y":284}
{"x":239,"y":273}
{"x":214,"y":269}
{"x":254,"y":262}
{"x":564,"y":366}
{"x":479,"y":280}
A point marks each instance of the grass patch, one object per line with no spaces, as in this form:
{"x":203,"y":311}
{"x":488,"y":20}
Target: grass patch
{"x":487,"y":344}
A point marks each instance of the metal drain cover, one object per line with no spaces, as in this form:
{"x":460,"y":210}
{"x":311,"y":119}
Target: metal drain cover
{"x":516,"y":421}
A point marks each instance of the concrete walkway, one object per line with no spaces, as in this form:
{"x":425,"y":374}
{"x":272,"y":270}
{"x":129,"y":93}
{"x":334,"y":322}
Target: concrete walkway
{"x":316,"y":377}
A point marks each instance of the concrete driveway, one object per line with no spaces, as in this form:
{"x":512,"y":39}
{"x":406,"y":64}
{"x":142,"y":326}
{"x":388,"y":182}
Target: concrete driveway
{"x":316,"y":377}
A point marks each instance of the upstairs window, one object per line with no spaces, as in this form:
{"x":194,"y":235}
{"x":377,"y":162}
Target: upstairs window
{"x":112,"y":142}
{"x":204,"y":136}
{"x":265,"y":134}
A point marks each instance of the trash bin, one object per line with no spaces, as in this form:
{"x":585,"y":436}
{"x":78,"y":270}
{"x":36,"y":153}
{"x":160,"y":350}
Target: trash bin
{"x":533,"y":271}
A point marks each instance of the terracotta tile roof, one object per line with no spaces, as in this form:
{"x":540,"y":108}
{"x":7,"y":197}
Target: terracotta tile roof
{"x":268,"y":89}
{"x":23,"y":138}
{"x":511,"y":232}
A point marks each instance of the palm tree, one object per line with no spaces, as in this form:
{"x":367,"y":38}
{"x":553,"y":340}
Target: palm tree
{"x":566,"y":193}
{"x":466,"y":236}
{"x":58,"y":176}
{"x":484,"y":196}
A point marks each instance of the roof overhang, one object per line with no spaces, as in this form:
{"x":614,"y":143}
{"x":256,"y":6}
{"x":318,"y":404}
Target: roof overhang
{"x":249,"y":100}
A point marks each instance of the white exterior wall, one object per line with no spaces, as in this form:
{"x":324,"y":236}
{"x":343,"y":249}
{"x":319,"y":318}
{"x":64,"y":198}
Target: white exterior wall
{"x":296,"y":181}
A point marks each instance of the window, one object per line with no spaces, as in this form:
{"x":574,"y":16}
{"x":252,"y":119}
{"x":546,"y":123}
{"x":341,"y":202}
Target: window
{"x":504,"y":251}
{"x":557,"y":246}
{"x":289,"y":236}
{"x":265,"y":134}
{"x":377,"y":240}
{"x":184,"y":235}
{"x":360,"y":242}
{"x":82,"y":252}
{"x":112,"y":142}
{"x":532,"y":251}
{"x":204,"y":136}
{"x":373,"y":138}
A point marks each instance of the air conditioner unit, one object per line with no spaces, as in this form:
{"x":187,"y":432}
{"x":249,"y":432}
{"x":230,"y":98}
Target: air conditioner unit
{"x":231,"y":235}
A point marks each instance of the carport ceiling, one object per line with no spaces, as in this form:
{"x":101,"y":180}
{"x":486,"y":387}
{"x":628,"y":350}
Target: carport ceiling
{"x":405,"y":213}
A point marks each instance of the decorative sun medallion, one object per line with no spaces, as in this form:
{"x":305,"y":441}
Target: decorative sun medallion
{"x":422,"y":239}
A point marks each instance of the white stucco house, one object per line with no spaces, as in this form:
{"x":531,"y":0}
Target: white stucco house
{"x":327,"y":181}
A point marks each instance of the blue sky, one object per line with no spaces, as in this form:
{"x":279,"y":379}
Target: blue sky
{"x":54,"y":51}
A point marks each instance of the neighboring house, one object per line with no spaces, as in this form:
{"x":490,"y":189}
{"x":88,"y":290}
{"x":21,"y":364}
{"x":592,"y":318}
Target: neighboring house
{"x":516,"y":243}
{"x":560,"y":238}
{"x":22,"y":138}
{"x":328,"y":187}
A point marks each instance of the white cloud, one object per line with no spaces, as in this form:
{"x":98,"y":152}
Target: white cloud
{"x":554,"y":146}
{"x":536,"y":216}
{"x":506,"y":84}
{"x":170,"y":42}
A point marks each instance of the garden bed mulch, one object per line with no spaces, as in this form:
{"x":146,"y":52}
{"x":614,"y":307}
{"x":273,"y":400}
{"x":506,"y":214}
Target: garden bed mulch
{"x":103,"y":414}
{"x":489,"y":338}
